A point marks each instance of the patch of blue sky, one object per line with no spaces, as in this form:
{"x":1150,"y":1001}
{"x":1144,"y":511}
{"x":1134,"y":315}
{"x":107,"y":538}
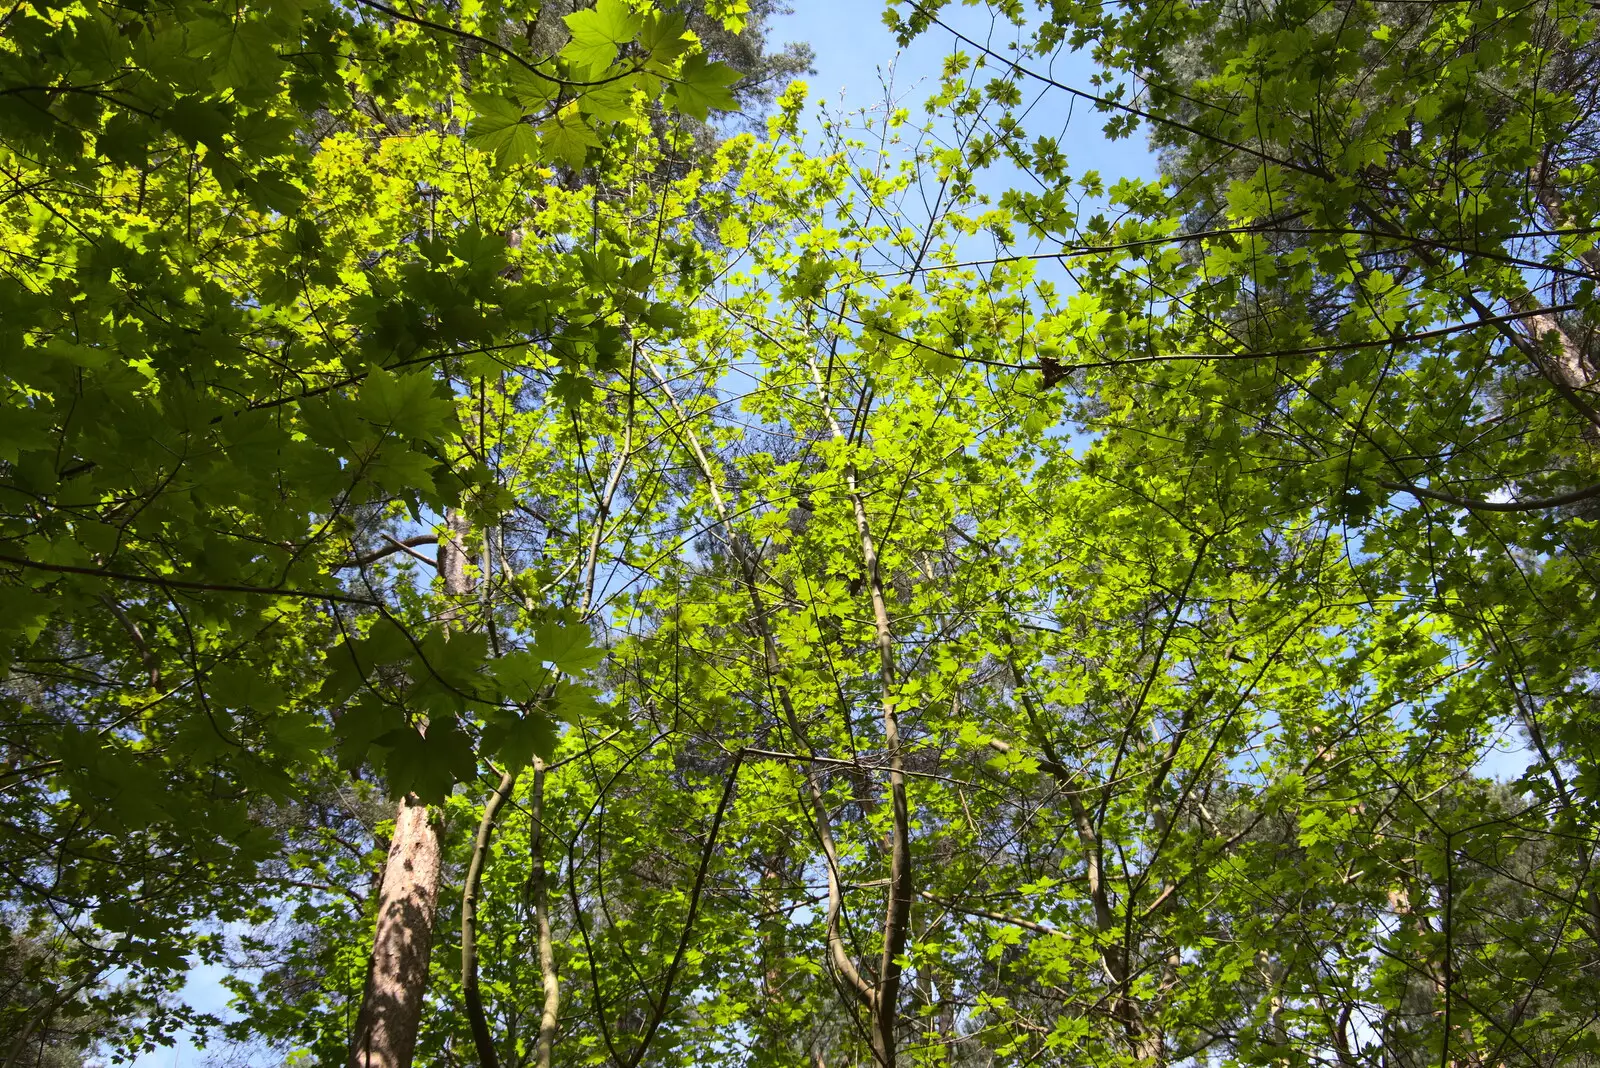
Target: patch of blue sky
{"x":203,"y":991}
{"x":862,"y":76}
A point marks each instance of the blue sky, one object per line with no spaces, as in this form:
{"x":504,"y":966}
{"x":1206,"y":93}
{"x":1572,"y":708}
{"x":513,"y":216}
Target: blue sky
{"x":853,"y":47}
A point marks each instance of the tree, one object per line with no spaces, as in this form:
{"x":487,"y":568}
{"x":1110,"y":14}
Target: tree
{"x":44,"y":1023}
{"x":1361,"y":293}
{"x":222,"y":359}
{"x":1148,"y":733}
{"x":1374,"y":256}
{"x":962,"y":661}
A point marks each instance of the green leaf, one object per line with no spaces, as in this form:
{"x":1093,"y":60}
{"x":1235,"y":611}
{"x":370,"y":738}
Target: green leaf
{"x":572,"y":390}
{"x":612,"y":102}
{"x":365,"y":722}
{"x":664,"y":38}
{"x":272,"y":191}
{"x":567,"y":137}
{"x":197,"y":121}
{"x":532,"y":90}
{"x":427,"y":765}
{"x":262,"y":135}
{"x":575,"y":703}
{"x":640,"y":273}
{"x":203,"y":738}
{"x":500,"y":127}
{"x":701,"y":86}
{"x":515,"y":738}
{"x":387,"y":642}
{"x":598,"y":33}
{"x":24,"y":611}
{"x":298,"y":733}
{"x":125,"y":139}
{"x":521,"y":674}
{"x":567,"y":646}
{"x":243,"y":53}
{"x":241,"y":686}
{"x":405,"y":404}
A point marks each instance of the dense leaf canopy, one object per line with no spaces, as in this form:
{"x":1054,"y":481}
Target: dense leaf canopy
{"x":855,"y":590}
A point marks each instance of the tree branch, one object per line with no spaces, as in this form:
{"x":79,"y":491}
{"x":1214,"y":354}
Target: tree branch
{"x":396,"y":545}
{"x":551,"y":982}
{"x":897,"y":912}
{"x":688,"y":923}
{"x":1532,"y":505}
{"x":185,"y":584}
{"x":836,"y":950}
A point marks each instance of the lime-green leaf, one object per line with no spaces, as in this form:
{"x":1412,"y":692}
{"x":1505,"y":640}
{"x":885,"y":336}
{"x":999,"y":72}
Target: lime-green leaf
{"x":567,"y":137}
{"x":500,"y":128}
{"x":663,"y":37}
{"x":531,"y":89}
{"x":598,"y":33}
{"x":575,"y":703}
{"x":611,"y":102}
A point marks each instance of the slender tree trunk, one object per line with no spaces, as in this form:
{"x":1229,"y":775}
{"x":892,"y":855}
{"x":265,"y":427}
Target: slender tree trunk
{"x":541,"y":912}
{"x":471,"y":990}
{"x":770,"y":1031}
{"x":482,"y":1039}
{"x":397,"y":978}
{"x":853,"y":980}
{"x":1147,"y":1043}
{"x":897,"y":910}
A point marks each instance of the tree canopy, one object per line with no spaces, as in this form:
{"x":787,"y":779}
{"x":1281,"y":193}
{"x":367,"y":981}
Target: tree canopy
{"x":529,"y":545}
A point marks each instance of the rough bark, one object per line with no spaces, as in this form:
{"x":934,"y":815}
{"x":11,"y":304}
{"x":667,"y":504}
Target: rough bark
{"x":1564,"y":365}
{"x":1555,"y":209}
{"x":397,"y":977}
{"x":1565,"y":359}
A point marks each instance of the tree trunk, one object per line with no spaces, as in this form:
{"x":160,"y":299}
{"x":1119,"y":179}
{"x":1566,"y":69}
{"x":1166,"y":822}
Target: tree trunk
{"x":885,"y":1002}
{"x":397,"y":978}
{"x":471,"y":993}
{"x":852,"y":980}
{"x":541,"y":908}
